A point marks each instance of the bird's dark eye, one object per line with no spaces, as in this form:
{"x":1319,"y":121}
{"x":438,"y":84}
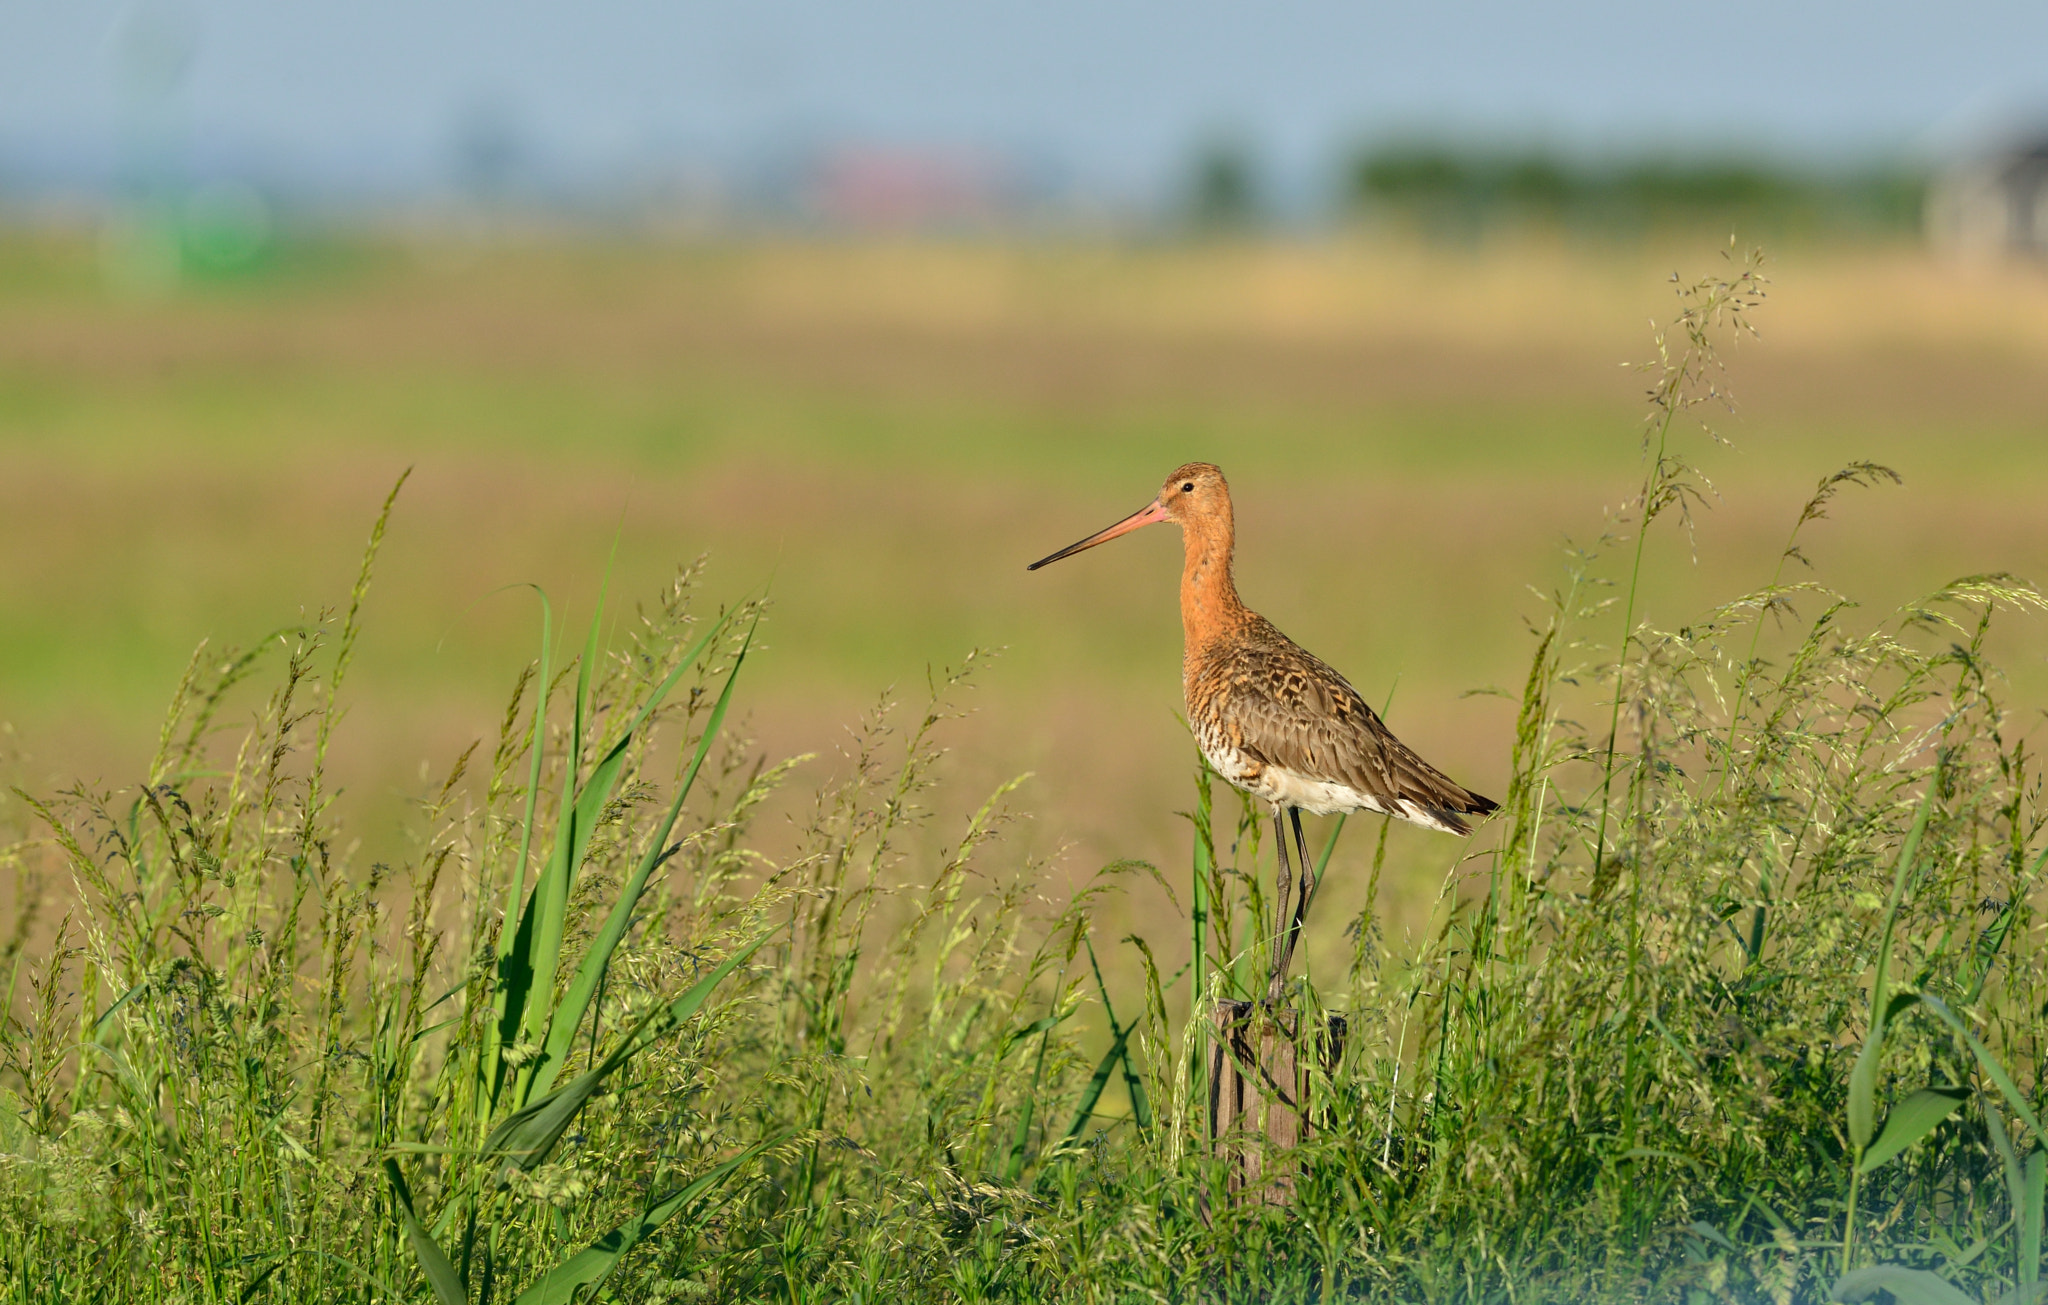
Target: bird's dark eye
{"x":1188,"y":487}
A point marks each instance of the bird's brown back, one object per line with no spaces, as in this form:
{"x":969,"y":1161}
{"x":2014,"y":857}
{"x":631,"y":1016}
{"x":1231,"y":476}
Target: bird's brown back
{"x":1280,"y":705}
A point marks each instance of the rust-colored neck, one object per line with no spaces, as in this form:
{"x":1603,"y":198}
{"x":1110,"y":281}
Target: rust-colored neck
{"x":1209,"y":606}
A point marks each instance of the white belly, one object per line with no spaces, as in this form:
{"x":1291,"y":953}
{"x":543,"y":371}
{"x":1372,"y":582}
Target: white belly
{"x":1318,"y":797}
{"x":1280,"y":788}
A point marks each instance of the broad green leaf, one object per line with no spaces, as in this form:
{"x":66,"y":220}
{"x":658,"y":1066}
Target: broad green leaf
{"x":1911,"y":1120}
{"x":526,"y":1136}
{"x":594,"y":1263}
{"x":441,"y":1275}
{"x":575,"y":1004}
{"x":1907,"y":1286}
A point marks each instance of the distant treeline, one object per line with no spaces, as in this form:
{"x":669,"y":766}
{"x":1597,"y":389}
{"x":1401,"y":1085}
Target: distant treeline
{"x":1449,"y":189}
{"x":1442,"y":184}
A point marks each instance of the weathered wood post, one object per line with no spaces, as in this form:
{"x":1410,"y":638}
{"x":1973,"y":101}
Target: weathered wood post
{"x":1259,"y":1092}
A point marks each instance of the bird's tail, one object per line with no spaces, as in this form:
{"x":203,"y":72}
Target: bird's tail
{"x":1448,"y":816}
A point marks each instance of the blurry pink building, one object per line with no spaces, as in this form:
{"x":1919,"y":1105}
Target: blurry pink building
{"x":876,"y":188}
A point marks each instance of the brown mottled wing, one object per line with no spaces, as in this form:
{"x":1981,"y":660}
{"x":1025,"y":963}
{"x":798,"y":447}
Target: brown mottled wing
{"x":1292,"y":710}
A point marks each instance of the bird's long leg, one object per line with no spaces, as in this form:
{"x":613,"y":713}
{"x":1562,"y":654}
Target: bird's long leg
{"x":1281,"y":938}
{"x":1285,"y":950}
{"x":1309,"y":882}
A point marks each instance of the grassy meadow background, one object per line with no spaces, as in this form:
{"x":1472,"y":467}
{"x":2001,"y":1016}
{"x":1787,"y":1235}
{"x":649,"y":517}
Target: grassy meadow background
{"x":884,"y":432}
{"x":1619,"y":1061}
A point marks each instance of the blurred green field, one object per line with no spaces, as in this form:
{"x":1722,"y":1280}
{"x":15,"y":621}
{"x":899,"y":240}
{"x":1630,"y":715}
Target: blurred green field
{"x":887,"y":432}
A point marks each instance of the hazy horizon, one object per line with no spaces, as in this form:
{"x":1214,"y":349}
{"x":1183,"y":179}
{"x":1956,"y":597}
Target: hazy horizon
{"x":1112,"y":98}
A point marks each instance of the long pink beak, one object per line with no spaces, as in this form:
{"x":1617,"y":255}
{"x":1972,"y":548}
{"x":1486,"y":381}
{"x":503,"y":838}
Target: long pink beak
{"x":1144,"y":516}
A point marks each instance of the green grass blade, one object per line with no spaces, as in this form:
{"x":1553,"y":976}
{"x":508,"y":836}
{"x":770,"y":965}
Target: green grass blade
{"x":527,"y":1136}
{"x":1092,"y":1093}
{"x":1907,"y":1286}
{"x":1993,"y":1069}
{"x":595,"y":1262}
{"x":1863,"y":1088}
{"x":1911,"y":1120}
{"x":1023,"y":1031}
{"x":1205,"y":859}
{"x":535,"y":748}
{"x":2035,"y":1188}
{"x":1992,"y":940}
{"x":2015,"y":1172}
{"x":1135,"y":1086}
{"x":692,"y":1001}
{"x":1141,"y":1106}
{"x":580,"y":720}
{"x":1043,"y":1027}
{"x":515,"y":973}
{"x":104,"y":1025}
{"x":1862,"y":1105}
{"x":1020,"y":1141}
{"x":257,"y":1280}
{"x":1330,"y":848}
{"x":551,"y":896}
{"x":345,"y":650}
{"x":575,"y":1003}
{"x":547,"y":911}
{"x":441,"y":1275}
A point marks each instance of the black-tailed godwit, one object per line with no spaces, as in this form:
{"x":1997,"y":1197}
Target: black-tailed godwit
{"x":1274,"y":720}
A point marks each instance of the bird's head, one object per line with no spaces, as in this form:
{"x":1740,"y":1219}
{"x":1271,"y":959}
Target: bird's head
{"x":1194,"y":492}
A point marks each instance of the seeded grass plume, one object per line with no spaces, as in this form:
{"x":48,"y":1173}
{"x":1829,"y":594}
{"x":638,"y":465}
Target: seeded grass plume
{"x":1743,"y":1000}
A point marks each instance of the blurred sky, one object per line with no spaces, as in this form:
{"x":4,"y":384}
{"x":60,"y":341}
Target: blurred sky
{"x":1114,"y":91}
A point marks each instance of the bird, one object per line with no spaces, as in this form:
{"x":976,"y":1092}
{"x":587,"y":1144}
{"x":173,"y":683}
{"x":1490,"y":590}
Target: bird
{"x":1271,"y":718}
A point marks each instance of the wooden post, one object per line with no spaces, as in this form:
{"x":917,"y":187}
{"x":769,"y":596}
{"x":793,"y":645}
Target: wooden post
{"x":1258,"y":1093}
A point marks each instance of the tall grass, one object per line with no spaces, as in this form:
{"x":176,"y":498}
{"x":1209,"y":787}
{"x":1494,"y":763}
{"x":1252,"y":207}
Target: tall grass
{"x":1741,"y":999}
